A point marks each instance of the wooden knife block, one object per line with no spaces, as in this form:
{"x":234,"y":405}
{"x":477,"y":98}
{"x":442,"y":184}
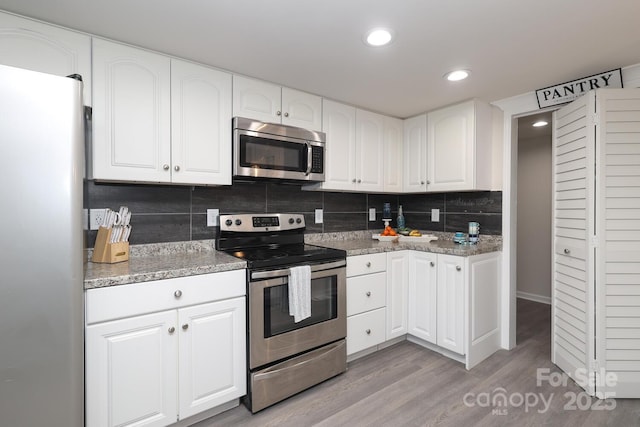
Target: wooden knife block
{"x":106,"y":252}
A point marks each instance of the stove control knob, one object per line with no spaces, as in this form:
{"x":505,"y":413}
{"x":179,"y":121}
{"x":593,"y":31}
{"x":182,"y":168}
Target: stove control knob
{"x":238,"y":222}
{"x":228,"y":222}
{"x":298,"y":221}
{"x":291,"y":220}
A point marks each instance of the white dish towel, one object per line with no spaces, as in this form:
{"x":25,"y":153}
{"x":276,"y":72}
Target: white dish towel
{"x":300,"y":292}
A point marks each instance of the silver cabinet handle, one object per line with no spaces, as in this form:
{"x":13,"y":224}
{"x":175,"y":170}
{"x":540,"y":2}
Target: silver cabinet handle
{"x":177,"y":293}
{"x":432,"y":264}
{"x":458,"y":268}
{"x":428,"y":182}
{"x":368,"y":293}
{"x":165,"y":167}
{"x":359,"y":181}
{"x":368,"y":331}
{"x":368,"y":264}
{"x":421,"y":182}
{"x":176,"y":168}
{"x":567,"y":251}
{"x":185,"y":326}
{"x":286,"y":114}
{"x":353,"y":180}
{"x":172,"y":330}
{"x":278,"y":113}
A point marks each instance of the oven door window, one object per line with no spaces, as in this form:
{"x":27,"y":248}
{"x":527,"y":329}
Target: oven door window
{"x":256,"y":152}
{"x":324,"y":301}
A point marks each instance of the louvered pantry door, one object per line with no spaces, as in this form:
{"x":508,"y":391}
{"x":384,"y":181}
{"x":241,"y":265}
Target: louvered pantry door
{"x":618,"y":254}
{"x":573,"y":345}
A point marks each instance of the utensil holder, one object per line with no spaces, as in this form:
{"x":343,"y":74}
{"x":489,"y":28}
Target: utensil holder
{"x":106,"y":252}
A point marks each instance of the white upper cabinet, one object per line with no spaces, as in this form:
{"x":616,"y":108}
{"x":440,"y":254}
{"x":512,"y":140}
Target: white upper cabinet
{"x":200,"y":124}
{"x":39,"y":47}
{"x":339,"y":124}
{"x":415,"y":154}
{"x":356,"y":147}
{"x":459,"y":147}
{"x":370,"y":149}
{"x":157,"y":119}
{"x":393,"y":155}
{"x":267,"y":102}
{"x":131,"y":114}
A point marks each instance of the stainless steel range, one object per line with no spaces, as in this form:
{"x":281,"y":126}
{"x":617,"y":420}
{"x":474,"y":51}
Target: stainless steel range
{"x":285,"y":356}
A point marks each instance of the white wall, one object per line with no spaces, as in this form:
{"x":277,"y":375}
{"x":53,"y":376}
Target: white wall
{"x":534,"y":219}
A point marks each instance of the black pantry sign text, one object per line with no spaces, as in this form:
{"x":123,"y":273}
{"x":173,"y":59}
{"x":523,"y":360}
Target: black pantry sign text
{"x":567,"y":92}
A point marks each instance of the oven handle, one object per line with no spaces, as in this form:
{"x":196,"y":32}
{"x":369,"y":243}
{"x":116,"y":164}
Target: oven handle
{"x":285,"y":271}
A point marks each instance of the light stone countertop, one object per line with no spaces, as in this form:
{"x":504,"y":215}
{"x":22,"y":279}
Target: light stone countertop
{"x":161,"y":261}
{"x":169,"y":260}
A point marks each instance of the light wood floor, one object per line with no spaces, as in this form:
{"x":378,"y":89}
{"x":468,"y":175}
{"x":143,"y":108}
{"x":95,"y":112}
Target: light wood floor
{"x":406,"y":385}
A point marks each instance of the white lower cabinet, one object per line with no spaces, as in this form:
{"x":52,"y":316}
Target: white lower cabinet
{"x":397,"y":293}
{"x":450,"y":303}
{"x":159,"y":352}
{"x":366,"y":300}
{"x":422,"y":308}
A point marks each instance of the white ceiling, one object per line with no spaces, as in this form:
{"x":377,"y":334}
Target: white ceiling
{"x":512,"y":47}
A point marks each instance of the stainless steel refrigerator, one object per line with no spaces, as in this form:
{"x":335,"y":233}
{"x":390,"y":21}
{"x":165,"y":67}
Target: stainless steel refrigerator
{"x":41,"y":255}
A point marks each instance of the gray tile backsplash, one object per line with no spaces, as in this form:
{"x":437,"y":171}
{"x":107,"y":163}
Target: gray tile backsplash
{"x":163,"y":213}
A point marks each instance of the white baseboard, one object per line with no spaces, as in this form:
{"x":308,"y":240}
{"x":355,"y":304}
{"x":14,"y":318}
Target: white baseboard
{"x":533,"y":297}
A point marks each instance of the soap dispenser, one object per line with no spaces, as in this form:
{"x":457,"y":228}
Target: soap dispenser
{"x":400,"y":217}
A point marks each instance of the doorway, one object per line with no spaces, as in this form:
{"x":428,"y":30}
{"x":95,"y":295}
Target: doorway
{"x":534,"y":197}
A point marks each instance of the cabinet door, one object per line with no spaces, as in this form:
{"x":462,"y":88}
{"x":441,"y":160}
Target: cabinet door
{"x":200,"y":124}
{"x":131,"y":114}
{"x":451,"y":302}
{"x":415,"y":154}
{"x":212,"y":355}
{"x":339,"y":123}
{"x":423,"y":296}
{"x":301,"y":109}
{"x":131,"y":371}
{"x":45,"y":48}
{"x":450,"y":148}
{"x":256,"y":99}
{"x":369,"y":151}
{"x":393,"y":155}
{"x":397,"y":293}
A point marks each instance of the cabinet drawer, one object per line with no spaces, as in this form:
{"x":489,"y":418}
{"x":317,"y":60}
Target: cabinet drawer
{"x":365,"y":293}
{"x":139,"y":298}
{"x":365,"y":264}
{"x":365,"y":330}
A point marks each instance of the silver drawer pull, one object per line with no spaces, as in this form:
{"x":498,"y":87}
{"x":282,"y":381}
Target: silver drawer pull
{"x":567,"y":251}
{"x":172,"y":330}
{"x":177,"y":293}
{"x":368,"y":264}
{"x":368,"y":331}
{"x":185,"y":326}
{"x":458,"y":268}
{"x":368,"y":293}
{"x":432,"y":264}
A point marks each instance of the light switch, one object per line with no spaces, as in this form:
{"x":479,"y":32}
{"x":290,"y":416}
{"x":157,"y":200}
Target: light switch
{"x":372,"y":214}
{"x":213,"y":217}
{"x":435,"y":215}
{"x":318,"y":216}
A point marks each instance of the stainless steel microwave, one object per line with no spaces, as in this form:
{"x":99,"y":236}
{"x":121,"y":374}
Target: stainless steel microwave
{"x":272,"y":150}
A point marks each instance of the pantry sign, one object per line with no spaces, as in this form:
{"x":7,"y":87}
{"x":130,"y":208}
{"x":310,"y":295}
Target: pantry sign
{"x":567,"y":92}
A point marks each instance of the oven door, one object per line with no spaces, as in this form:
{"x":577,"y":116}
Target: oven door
{"x":273,"y":334}
{"x":270,"y":156}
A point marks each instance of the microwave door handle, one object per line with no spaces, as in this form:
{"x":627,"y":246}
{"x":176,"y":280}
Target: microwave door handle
{"x":309,"y":160}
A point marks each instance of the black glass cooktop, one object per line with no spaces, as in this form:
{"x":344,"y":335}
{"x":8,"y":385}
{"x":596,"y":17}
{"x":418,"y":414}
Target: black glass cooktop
{"x":284,"y":255}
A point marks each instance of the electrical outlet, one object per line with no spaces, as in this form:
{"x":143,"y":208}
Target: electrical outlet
{"x":435,"y":215}
{"x":318,"y":216}
{"x":96,"y":218}
{"x":213,"y":217}
{"x":372,"y":214}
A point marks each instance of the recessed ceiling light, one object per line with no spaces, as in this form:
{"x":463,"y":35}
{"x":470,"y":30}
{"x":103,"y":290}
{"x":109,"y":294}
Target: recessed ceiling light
{"x":540,"y":123}
{"x":457,"y":75}
{"x":378,"y":37}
